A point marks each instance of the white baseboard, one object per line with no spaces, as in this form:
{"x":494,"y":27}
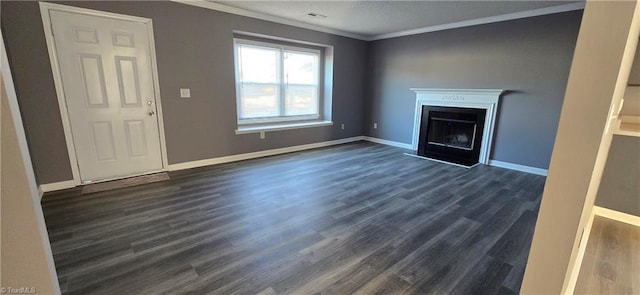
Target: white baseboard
{"x":260,"y":154}
{"x":518,"y":167}
{"x":56,"y":186}
{"x":388,"y":142}
{"x":495,"y":163}
{"x":617,"y":215}
{"x":48,"y":187}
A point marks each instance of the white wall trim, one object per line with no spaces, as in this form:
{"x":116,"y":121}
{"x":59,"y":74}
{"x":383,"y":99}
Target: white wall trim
{"x":271,"y":18}
{"x":12,"y":98}
{"x":518,"y":167}
{"x":388,"y":142}
{"x":617,"y":215}
{"x":260,"y":154}
{"x":156,"y":89}
{"x":495,"y":163}
{"x":484,"y":20}
{"x":56,"y":186}
{"x":57,"y":77}
{"x":282,"y":126}
{"x":461,"y":24}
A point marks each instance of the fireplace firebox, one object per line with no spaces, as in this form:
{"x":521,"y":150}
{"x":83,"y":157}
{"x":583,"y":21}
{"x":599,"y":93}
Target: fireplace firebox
{"x":451,"y":134}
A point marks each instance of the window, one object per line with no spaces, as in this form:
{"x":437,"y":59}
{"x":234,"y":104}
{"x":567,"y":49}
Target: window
{"x":276,"y":83}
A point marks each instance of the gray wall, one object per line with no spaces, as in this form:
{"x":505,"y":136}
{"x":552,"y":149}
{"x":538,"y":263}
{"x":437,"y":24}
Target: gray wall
{"x":529,"y":57}
{"x":620,"y":186}
{"x":194,"y":49}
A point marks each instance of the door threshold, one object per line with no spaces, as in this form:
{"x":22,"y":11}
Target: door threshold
{"x":125,"y":182}
{"x":88,"y":182}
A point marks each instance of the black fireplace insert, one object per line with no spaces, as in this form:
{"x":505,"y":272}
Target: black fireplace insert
{"x":451,"y":134}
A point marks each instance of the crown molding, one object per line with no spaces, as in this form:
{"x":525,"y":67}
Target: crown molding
{"x":484,"y":20}
{"x":268,"y":17}
{"x":461,"y":24}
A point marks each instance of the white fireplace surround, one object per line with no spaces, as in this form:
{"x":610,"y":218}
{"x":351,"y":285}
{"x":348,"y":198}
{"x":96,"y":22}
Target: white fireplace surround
{"x":486,"y":99}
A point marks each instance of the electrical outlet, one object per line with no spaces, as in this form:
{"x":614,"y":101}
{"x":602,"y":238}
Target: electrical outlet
{"x":261,"y":134}
{"x":185,"y":92}
{"x":342,"y":126}
{"x":375,"y":125}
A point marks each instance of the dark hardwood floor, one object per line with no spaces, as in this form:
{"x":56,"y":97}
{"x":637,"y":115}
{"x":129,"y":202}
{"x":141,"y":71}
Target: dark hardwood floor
{"x":611,"y":263}
{"x":356,"y":218}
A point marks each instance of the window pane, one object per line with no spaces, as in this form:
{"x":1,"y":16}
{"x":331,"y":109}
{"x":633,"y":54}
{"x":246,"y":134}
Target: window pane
{"x":301,"y":100}
{"x":300,"y":68}
{"x":258,"y":65}
{"x":258,"y":101}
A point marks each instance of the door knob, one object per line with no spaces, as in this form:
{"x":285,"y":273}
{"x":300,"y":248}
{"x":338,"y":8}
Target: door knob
{"x":151,"y":113}
{"x":149,"y":102}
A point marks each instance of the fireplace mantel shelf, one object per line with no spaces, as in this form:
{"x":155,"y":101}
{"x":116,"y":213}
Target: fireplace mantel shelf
{"x":453,"y":90}
{"x":459,"y":95}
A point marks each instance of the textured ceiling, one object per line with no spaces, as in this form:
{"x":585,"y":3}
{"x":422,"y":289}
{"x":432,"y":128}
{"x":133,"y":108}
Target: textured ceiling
{"x":371,"y":18}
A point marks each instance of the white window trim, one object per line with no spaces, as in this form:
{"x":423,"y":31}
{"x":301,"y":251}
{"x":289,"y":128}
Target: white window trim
{"x":277,"y":119}
{"x":276,"y":127}
{"x":254,"y":125}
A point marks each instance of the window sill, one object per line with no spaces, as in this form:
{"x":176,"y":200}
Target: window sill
{"x":283,"y":126}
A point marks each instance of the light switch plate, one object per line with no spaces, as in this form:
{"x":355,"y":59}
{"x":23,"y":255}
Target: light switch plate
{"x":185,"y":92}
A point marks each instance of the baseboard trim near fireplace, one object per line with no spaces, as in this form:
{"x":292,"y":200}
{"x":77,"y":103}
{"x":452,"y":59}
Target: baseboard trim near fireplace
{"x":518,"y":167}
{"x":388,"y":142}
{"x":495,"y":163}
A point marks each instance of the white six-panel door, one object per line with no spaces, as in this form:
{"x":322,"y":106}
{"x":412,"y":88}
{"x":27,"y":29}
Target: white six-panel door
{"x":106,"y":71}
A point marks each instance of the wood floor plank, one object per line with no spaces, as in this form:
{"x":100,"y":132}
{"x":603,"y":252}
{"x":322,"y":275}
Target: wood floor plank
{"x":324,"y":272}
{"x":485,"y":277}
{"x":428,"y":260}
{"x":358,"y":218}
{"x":513,"y":244}
{"x":386,"y":283}
{"x":611,"y":262}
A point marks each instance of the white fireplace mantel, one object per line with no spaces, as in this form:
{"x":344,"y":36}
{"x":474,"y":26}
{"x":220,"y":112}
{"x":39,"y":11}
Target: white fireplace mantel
{"x":462,"y":98}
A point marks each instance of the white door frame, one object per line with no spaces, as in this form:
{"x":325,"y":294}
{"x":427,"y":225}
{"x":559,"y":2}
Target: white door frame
{"x":57,"y":76}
